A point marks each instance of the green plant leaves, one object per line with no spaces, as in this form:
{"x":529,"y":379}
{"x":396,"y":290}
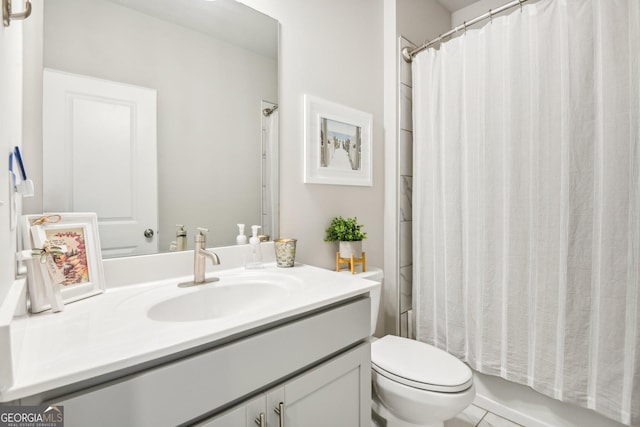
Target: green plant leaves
{"x":344,"y":230}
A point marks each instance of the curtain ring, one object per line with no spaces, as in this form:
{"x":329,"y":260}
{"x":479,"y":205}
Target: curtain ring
{"x":490,"y":16}
{"x":465,"y":26}
{"x":521,"y":1}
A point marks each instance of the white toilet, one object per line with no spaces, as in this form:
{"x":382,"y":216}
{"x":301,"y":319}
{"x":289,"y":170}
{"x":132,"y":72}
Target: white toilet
{"x":414,"y":384}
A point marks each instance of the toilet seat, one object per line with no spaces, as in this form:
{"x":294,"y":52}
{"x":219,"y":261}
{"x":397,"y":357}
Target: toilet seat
{"x":419,"y":365}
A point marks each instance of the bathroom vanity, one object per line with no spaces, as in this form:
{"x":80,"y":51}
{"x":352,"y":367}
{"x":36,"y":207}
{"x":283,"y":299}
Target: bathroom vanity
{"x":302,"y":368}
{"x":277,"y":347}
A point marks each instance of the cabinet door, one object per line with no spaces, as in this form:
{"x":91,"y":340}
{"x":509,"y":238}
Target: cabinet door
{"x":275,"y":407}
{"x":233,"y":417}
{"x":247,"y":414}
{"x":256,"y":414}
{"x":336,"y":393}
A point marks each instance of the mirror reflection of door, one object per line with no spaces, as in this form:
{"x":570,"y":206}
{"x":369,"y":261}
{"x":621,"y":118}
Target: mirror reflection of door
{"x":95,"y":129}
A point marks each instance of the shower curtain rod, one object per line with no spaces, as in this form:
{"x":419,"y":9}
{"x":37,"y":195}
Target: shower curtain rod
{"x":408,"y":53}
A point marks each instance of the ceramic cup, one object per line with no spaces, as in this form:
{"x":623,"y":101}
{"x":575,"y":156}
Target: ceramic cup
{"x":285,"y":252}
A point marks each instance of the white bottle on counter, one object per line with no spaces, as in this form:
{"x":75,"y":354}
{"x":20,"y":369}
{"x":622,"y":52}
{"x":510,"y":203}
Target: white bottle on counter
{"x":254,"y":258}
{"x":241,"y":239}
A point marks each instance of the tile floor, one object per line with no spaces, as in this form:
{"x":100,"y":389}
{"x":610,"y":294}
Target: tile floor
{"x":474,"y":416}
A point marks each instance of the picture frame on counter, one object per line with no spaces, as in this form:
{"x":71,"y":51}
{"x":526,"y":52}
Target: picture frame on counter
{"x":66,"y":258}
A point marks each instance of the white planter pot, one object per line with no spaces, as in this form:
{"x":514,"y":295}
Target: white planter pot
{"x":351,"y":248}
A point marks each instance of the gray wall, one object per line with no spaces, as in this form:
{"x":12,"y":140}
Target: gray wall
{"x":330,"y":49}
{"x":10,"y":135}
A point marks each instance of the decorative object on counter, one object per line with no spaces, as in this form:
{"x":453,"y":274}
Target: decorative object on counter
{"x":285,"y":252}
{"x":48,"y":257}
{"x":264,"y":237}
{"x":254,"y":257}
{"x":348,"y":232}
{"x":181,"y":238}
{"x":351,"y":262}
{"x":70,"y":246}
{"x":241,"y":239}
{"x":337,"y":144}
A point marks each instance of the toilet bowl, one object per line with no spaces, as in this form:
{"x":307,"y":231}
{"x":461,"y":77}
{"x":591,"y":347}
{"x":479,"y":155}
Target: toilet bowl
{"x":414,"y":383}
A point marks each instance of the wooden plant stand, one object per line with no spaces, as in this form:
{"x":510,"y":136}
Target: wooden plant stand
{"x":352,"y":261}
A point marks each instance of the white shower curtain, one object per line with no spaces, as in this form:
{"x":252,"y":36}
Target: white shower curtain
{"x":527,"y":200}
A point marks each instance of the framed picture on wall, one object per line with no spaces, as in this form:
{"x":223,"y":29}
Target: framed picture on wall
{"x":337,"y":146}
{"x":66,"y":262}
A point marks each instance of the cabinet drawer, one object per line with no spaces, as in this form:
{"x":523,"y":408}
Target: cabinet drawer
{"x":188,"y":388}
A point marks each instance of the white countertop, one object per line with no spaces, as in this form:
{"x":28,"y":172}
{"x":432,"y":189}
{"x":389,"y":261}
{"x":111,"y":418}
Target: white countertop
{"x":111,"y":331}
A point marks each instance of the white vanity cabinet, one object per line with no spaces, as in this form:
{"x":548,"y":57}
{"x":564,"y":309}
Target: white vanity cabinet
{"x":336,"y":393}
{"x":317,"y":365}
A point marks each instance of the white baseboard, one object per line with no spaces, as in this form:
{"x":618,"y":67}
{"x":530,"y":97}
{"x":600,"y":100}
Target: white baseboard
{"x":511,"y":414}
{"x":525,"y":406}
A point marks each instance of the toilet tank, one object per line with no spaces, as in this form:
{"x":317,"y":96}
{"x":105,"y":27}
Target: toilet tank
{"x":377,"y":275}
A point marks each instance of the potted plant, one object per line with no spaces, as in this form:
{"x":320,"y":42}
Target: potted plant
{"x":350,"y":235}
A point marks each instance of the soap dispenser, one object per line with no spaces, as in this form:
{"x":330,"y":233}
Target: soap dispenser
{"x":181,"y":238}
{"x":241,"y":239}
{"x":254,"y":258}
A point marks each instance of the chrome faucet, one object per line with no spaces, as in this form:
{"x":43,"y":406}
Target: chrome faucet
{"x":199,"y":258}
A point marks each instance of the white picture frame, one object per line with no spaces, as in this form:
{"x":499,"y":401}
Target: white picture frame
{"x":80,"y":264}
{"x":338,"y":144}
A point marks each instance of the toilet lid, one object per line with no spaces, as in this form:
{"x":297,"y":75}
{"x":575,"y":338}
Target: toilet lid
{"x":419,"y":365}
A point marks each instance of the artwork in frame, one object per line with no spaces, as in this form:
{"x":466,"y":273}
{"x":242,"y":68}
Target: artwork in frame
{"x":67,"y":261}
{"x":337,"y":144}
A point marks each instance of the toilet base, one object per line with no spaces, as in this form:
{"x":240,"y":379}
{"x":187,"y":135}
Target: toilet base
{"x":390,"y":420}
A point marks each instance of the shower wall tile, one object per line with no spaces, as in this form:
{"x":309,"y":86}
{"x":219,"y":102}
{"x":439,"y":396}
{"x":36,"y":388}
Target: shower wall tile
{"x":406,"y":111}
{"x":406,"y":251}
{"x":412,"y":324}
{"x":406,"y":288}
{"x":404,"y":324}
{"x":405,"y":67}
{"x":406,"y":189}
{"x":404,"y":179}
{"x":406,"y":152}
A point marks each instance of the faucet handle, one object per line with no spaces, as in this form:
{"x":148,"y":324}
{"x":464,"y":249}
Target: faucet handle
{"x":201,"y":235}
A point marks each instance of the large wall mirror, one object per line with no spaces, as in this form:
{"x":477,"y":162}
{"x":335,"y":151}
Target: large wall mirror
{"x":212,"y":67}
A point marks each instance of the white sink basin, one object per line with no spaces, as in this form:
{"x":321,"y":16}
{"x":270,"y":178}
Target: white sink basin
{"x":231,"y":296}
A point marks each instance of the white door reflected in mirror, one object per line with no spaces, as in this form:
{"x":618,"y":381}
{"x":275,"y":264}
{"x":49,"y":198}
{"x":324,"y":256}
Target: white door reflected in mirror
{"x":99,"y":155}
